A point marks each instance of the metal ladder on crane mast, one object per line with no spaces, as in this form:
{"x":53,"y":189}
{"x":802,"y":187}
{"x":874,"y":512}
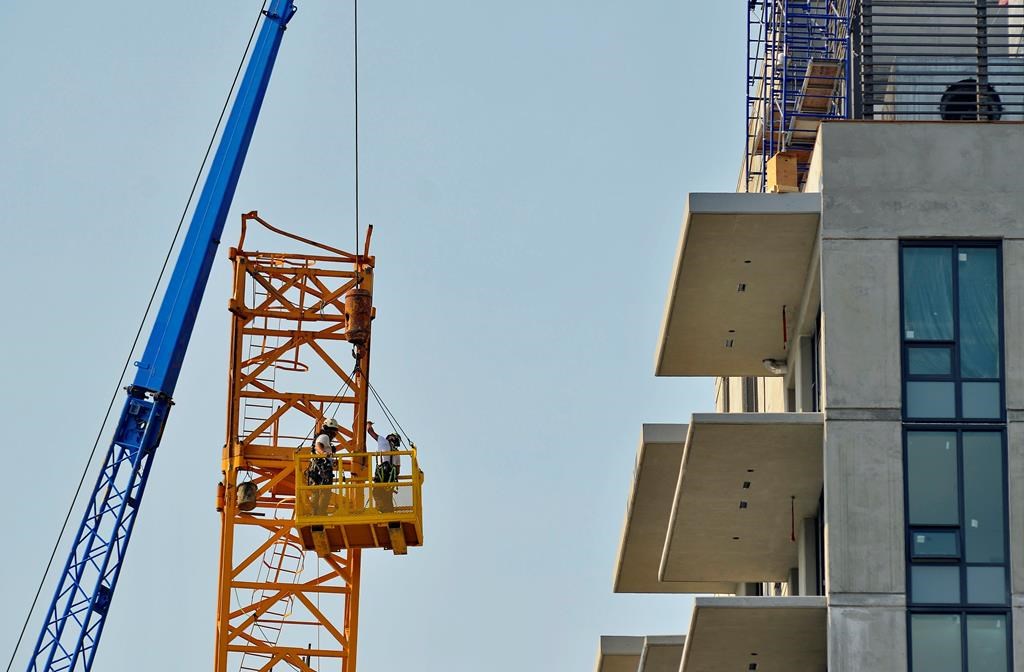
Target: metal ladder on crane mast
{"x":283,"y":562}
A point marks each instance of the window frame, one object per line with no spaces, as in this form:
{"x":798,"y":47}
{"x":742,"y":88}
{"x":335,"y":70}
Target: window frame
{"x":960,"y":529}
{"x":963,"y":609}
{"x":959,"y":425}
{"x":955,"y":246}
{"x":964,"y":615}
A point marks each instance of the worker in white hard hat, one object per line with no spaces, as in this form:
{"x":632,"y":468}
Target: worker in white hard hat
{"x":324,"y":444}
{"x":321,"y":467}
{"x":388,"y":467}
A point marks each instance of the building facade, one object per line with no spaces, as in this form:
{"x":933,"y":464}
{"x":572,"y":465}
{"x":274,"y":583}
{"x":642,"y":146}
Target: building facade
{"x":857,"y":500}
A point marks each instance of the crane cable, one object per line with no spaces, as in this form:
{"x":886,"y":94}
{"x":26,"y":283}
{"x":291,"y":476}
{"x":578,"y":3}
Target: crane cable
{"x":388,"y":414}
{"x":355,"y":67}
{"x":135,"y":342}
{"x":355,"y":96}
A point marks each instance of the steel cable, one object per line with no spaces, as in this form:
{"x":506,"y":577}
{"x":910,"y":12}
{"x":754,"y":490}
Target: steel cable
{"x":135,"y":343}
{"x":355,"y":68}
{"x":388,"y":414}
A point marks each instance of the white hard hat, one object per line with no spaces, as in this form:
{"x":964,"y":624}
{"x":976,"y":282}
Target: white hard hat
{"x":331,"y":423}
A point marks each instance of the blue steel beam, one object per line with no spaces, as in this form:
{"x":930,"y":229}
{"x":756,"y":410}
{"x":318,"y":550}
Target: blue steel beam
{"x":165,"y":350}
{"x":78,"y":611}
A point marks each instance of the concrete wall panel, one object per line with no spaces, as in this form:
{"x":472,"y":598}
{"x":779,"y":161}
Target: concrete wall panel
{"x":1018,"y":637}
{"x":883,"y":180}
{"x":862,"y":639}
{"x":861,"y":322}
{"x":864,"y":507}
{"x":774,"y":390}
{"x":735,"y":394}
{"x":813,"y":183}
{"x":1015,"y":459}
{"x":1013,"y":322}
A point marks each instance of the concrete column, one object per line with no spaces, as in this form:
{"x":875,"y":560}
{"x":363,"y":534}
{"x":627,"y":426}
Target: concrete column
{"x":807,"y":556}
{"x":864,"y":544}
{"x":804,"y":375}
{"x":869,"y":636}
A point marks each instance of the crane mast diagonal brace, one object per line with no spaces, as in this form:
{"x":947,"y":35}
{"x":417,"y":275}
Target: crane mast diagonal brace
{"x":78,"y":610}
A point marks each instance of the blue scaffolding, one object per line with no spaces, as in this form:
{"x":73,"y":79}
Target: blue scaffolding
{"x":798,"y":75}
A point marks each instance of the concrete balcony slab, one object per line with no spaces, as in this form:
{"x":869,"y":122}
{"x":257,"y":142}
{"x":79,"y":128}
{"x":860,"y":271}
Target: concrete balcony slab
{"x":741,"y":259}
{"x":775,"y":633}
{"x":640,"y":654}
{"x":662,"y":654}
{"x":746,"y":481}
{"x":655,"y":478}
{"x":619,"y":654}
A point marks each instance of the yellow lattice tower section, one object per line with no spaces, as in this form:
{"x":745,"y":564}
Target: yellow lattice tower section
{"x":290,"y":547}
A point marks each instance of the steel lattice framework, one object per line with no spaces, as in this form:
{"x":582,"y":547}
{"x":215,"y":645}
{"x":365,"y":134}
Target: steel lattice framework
{"x":278,"y":603}
{"x":798,"y":73}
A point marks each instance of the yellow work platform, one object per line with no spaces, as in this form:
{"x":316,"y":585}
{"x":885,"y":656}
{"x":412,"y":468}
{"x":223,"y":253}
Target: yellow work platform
{"x":353,"y":510}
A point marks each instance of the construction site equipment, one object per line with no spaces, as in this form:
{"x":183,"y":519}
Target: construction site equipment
{"x":355,"y":511}
{"x":814,"y":61}
{"x":297,"y":320}
{"x":942,"y":60}
{"x":77,"y":613}
{"x":781,"y":174}
{"x":798,"y":72}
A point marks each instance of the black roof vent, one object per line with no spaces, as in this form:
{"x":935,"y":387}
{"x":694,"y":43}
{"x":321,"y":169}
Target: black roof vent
{"x":961,"y":100}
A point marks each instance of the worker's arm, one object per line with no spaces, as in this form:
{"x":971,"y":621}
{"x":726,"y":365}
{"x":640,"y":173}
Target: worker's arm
{"x":369,"y":430}
{"x":323,"y":445}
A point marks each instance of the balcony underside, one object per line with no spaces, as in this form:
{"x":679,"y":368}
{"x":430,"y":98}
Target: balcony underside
{"x":775,"y":633}
{"x":640,"y":654}
{"x":647,"y":517}
{"x":746,"y":482}
{"x":742,"y":262}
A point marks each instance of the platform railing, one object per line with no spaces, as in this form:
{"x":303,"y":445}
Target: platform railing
{"x":932,"y":60}
{"x":352,"y":496}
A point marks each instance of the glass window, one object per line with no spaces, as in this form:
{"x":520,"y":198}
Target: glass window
{"x":979,"y":312}
{"x":955,"y":456}
{"x":932,"y":491}
{"x":981,"y":400}
{"x":934,"y":544}
{"x":935,"y":643}
{"x":935,"y":584}
{"x":931,"y":400}
{"x":929,"y":361}
{"x":928,"y":293}
{"x":986,"y":644}
{"x":986,"y":585}
{"x":984,"y":528}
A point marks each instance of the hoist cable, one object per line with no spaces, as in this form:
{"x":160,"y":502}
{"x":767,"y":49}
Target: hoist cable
{"x":135,"y":343}
{"x":390,"y":416}
{"x":387,"y":412}
{"x":336,"y":400}
{"x":355,"y":96}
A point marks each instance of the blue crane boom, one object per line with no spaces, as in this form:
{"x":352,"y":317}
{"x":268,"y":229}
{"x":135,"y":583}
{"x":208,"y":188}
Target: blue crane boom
{"x":78,"y":611}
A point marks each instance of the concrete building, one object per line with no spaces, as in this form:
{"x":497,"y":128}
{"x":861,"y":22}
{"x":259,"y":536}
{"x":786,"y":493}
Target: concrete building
{"x":857,"y":501}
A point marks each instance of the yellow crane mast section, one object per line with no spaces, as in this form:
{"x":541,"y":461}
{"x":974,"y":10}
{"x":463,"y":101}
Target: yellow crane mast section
{"x":290,"y":545}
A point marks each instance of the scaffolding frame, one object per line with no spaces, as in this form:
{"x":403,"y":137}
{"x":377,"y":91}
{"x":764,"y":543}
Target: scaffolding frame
{"x":799,"y":65}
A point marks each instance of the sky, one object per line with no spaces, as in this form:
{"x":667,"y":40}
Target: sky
{"x":525,"y":167}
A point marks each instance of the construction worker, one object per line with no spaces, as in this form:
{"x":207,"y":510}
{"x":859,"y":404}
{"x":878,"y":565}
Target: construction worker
{"x":388,"y":467}
{"x":321,"y":467}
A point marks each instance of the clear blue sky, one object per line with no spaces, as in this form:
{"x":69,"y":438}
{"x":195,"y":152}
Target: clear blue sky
{"x":525,"y":166}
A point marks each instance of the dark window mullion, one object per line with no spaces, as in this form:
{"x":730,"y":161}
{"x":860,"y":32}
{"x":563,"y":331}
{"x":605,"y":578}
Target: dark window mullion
{"x":957,"y":385}
{"x":963,"y":639}
{"x":963,"y":524}
{"x":1002,"y":361}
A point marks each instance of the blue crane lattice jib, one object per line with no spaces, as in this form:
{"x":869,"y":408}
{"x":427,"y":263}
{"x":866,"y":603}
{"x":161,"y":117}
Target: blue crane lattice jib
{"x":80,"y":603}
